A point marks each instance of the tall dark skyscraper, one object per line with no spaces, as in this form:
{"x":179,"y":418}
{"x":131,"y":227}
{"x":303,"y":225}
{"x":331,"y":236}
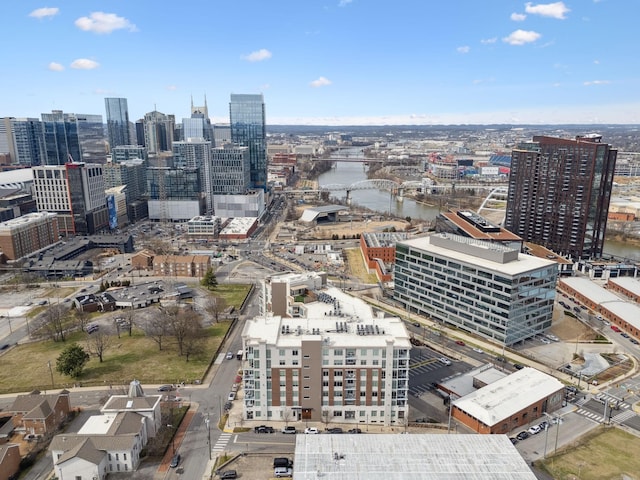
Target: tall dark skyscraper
{"x":117,"y":122}
{"x":248,"y":128}
{"x":559,"y":193}
{"x":71,"y":135}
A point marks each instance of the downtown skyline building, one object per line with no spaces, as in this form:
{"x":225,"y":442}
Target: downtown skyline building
{"x":248,"y":128}
{"x":559,"y":194}
{"x":23,"y":140}
{"x":71,"y":137}
{"x":117,"y":122}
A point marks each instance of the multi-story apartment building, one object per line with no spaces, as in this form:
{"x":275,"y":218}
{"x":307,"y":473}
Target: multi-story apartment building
{"x":158,"y":130}
{"x":117,"y":122}
{"x":174,"y":194}
{"x":337,"y":364}
{"x":379,"y":252}
{"x":27,"y":234}
{"x":470,"y":224}
{"x":559,"y":194}
{"x":482,"y":287}
{"x":181,"y":265}
{"x":248,"y":128}
{"x":229,"y":170}
{"x":23,"y":140}
{"x":122,"y":153}
{"x":75,"y":191}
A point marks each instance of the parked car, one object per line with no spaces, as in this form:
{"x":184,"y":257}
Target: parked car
{"x":229,"y":355}
{"x":514,"y":440}
{"x":355,"y":430}
{"x":534,"y":430}
{"x":282,"y":462}
{"x":571,"y":388}
{"x":229,"y":475}
{"x":615,"y":328}
{"x":625,"y":335}
{"x":334,"y":430}
{"x":165,"y":388}
{"x":311,"y":430}
{"x":478,"y":350}
{"x":280,"y":472}
{"x":263,"y":429}
{"x":417,"y":324}
{"x":543,"y":425}
{"x":232,"y":396}
{"x":522,"y":435}
{"x":634,"y":341}
{"x":518,"y":366}
{"x":444,"y":361}
{"x":460,"y":342}
{"x":175,"y":461}
{"x":289,"y":429}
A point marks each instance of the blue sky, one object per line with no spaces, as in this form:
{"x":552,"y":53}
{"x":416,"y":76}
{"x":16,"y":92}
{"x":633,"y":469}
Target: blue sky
{"x":328,"y":62}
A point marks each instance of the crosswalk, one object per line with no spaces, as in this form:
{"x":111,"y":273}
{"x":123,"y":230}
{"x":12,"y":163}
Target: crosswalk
{"x":221,"y":443}
{"x":589,"y":414}
{"x":623,"y":416}
{"x":608,"y":398}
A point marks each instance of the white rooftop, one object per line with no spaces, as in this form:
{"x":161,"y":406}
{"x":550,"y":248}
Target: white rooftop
{"x":508,"y":396}
{"x":590,"y":289}
{"x":401,"y":457}
{"x":323,"y":319}
{"x":98,"y":424}
{"x":523,"y":264}
{"x":462,"y":384}
{"x":628,"y":283}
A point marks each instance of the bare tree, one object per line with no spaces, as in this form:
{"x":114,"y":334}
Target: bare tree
{"x":215,"y":306}
{"x":82,"y":318}
{"x":53,"y":322}
{"x":98,"y":343}
{"x":326,"y":418}
{"x":286,"y":416}
{"x":184,"y":324}
{"x":157,"y":327}
{"x":193,"y":343}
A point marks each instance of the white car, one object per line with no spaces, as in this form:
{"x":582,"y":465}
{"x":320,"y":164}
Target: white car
{"x":232,"y":396}
{"x":534,"y":430}
{"x":313,"y":430}
{"x":544,"y":340}
{"x":444,"y":361}
{"x":478,"y":350}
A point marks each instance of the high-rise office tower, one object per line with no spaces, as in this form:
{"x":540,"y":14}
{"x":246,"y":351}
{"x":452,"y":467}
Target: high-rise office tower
{"x":23,"y":139}
{"x":75,"y":191}
{"x":158,"y":131}
{"x":117,"y":122}
{"x":199,"y":124}
{"x":73,"y":136}
{"x":248,"y":128}
{"x":128,"y":152}
{"x":559,"y":193}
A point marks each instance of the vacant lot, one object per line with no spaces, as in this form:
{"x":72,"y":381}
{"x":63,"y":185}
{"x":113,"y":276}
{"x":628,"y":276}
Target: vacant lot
{"x":605,"y":454}
{"x":357,"y":267}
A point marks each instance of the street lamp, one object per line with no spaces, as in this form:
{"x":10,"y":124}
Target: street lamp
{"x":206,"y":421}
{"x":51,"y":372}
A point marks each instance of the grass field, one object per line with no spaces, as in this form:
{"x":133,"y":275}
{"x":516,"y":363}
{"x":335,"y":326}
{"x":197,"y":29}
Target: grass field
{"x":604,"y":454}
{"x":31,"y":366}
{"x":357,"y":266}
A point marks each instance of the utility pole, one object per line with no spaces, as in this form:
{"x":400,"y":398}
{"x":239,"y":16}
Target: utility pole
{"x":51,"y":372}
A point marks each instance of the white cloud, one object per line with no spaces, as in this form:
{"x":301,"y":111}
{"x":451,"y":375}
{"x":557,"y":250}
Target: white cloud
{"x":488,"y":41}
{"x":518,"y":17}
{"x":596,"y":82}
{"x":463,"y":49}
{"x":172,"y":88}
{"x":100,"y":22}
{"x":258,"y":55}
{"x":597,"y":62}
{"x":44,"y":12}
{"x":84,"y":64}
{"x":553,"y":10}
{"x":55,"y":67}
{"x":320,"y":82}
{"x":344,"y":3}
{"x":520,"y":37}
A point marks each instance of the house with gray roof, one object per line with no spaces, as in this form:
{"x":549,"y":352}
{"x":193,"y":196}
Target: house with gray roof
{"x":40,"y":414}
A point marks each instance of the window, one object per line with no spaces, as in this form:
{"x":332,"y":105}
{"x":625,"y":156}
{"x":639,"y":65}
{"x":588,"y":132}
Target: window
{"x":294,"y":353}
{"x":124,"y":456}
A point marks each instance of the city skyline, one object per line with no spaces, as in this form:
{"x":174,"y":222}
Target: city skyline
{"x":336,"y":62}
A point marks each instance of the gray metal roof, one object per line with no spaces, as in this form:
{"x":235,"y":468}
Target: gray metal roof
{"x":401,"y":457}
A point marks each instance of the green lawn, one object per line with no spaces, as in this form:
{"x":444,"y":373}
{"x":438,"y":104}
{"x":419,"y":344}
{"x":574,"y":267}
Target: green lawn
{"x":26,"y":366}
{"x":605,"y":454}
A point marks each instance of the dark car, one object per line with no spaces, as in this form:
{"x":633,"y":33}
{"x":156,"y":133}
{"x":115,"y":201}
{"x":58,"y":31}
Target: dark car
{"x":282,"y":462}
{"x":334,"y":430}
{"x":165,"y":388}
{"x":262,"y":429}
{"x":522,"y":435}
{"x":355,"y":430}
{"x":513,"y":440}
{"x":229,"y":475}
{"x":417,"y":324}
{"x":543,"y":425}
{"x":175,"y":461}
{"x":460,"y":342}
{"x":518,"y":366}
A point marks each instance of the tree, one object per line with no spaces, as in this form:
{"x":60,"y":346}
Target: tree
{"x":82,"y":318}
{"x":209,"y":280}
{"x":98,"y":343}
{"x":185,"y":325}
{"x":72,"y":360}
{"x":53,"y":322}
{"x":215,"y":306}
{"x":157,"y":327}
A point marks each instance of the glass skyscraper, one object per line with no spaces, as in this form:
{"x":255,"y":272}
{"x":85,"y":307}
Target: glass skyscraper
{"x":248,"y":128}
{"x":117,"y":122}
{"x":70,"y":136}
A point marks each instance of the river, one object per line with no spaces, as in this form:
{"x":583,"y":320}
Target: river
{"x":347,"y":173}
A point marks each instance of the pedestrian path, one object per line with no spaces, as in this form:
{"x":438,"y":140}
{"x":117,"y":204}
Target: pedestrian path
{"x":589,"y":414}
{"x":608,"y":398}
{"x":624,"y":416}
{"x":221,"y":443}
